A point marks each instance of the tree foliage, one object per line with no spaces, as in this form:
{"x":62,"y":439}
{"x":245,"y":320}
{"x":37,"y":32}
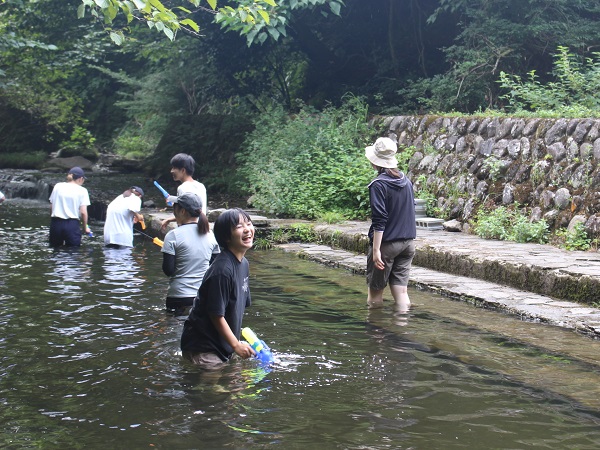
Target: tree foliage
{"x":255,"y":19}
{"x":63,"y":76}
{"x":41,"y":58}
{"x":574,"y":89}
{"x":514,"y":36}
{"x":305,"y":165}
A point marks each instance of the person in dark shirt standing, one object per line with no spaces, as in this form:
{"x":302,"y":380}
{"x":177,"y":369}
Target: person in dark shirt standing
{"x":211,"y":333}
{"x":393,"y":227}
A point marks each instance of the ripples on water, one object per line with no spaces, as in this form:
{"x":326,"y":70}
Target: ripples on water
{"x":88,"y":358}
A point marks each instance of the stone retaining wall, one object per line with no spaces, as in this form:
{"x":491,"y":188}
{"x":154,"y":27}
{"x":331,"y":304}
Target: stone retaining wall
{"x":549,"y":166}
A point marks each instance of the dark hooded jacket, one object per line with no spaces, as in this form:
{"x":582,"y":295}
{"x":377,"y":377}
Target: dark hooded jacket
{"x":392,"y":208}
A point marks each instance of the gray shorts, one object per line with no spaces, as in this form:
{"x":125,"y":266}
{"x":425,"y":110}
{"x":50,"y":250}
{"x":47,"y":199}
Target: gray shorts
{"x":397,"y":257}
{"x":207,"y":360}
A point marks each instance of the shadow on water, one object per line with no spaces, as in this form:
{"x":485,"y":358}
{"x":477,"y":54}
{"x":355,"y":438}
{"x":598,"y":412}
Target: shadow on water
{"x":89,"y":358}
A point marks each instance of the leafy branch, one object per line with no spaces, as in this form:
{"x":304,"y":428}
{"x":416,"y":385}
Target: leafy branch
{"x":254,"y":19}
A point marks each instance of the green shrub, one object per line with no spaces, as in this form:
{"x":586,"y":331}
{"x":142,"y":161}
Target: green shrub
{"x":523,"y":230}
{"x":493,"y":224}
{"x":80,"y":143}
{"x":494,"y":167}
{"x":330,"y":217}
{"x":574,"y":93}
{"x":423,"y":193}
{"x":510,"y":225}
{"x":311,"y":163}
{"x":132,"y":146}
{"x":576,"y":239}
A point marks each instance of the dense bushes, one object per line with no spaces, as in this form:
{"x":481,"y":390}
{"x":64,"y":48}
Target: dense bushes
{"x":510,"y":225}
{"x":310,"y":163}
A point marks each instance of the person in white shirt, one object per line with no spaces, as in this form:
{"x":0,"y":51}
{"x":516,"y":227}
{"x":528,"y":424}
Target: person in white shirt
{"x":182,"y":169}
{"x":121,"y":214}
{"x":187,"y":252}
{"x":2,"y":197}
{"x":69,"y":206}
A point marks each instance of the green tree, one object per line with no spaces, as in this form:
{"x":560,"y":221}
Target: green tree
{"x":41,"y":57}
{"x":255,"y":19}
{"x":514,"y":36}
{"x":575,"y":89}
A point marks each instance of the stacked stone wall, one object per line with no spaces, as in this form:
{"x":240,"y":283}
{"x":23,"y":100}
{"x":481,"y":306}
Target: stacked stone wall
{"x":549,"y":167}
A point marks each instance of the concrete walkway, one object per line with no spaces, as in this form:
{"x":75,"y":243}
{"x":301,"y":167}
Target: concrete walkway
{"x":535,"y":282}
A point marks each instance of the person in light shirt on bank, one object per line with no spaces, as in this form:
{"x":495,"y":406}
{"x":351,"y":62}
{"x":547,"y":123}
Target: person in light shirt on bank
{"x":69,"y":210}
{"x":121,"y":214}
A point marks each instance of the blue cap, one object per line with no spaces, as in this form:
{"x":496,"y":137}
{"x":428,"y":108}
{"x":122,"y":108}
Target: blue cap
{"x":77,"y":172}
{"x":138,"y":189}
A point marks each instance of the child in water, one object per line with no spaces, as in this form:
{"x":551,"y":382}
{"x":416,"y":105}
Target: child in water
{"x":211,"y":333}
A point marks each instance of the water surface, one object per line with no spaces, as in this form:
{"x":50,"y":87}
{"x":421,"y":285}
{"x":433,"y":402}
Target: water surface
{"x":89,"y":359}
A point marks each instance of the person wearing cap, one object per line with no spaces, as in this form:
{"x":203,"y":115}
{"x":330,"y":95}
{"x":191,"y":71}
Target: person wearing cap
{"x":121,"y":214}
{"x":187,"y":251}
{"x":393,"y":227}
{"x":69,"y":208}
{"x":182,"y":169}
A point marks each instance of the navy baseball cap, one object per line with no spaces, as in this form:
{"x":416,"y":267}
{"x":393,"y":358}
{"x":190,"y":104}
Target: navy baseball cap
{"x":138,"y":189}
{"x":77,"y":172}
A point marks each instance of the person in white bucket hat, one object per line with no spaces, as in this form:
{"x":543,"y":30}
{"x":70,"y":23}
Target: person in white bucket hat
{"x":393,"y":227}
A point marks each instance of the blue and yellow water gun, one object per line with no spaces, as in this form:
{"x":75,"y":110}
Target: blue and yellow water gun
{"x":164,"y":192}
{"x":263,"y":352}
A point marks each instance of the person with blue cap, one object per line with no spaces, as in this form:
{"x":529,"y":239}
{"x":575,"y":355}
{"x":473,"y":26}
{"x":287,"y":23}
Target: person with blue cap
{"x":122,"y":213}
{"x":69,"y":209}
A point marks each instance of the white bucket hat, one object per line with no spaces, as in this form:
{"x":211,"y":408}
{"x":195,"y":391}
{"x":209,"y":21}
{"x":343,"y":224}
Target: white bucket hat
{"x":383,"y":153}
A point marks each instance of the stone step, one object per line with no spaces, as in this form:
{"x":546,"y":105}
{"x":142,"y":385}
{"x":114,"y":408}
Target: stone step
{"x":429,"y":223}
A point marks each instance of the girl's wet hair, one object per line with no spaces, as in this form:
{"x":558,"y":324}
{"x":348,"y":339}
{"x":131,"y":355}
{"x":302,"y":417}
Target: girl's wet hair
{"x":226,"y":223}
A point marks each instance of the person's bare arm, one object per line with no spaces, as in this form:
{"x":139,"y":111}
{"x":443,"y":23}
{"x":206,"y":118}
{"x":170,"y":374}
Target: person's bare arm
{"x":84,"y":218}
{"x":377,"y":261}
{"x":242,"y":349}
{"x":163,"y":225}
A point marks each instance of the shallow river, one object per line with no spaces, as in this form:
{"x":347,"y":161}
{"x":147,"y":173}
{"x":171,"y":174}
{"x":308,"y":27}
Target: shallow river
{"x":89,"y":359}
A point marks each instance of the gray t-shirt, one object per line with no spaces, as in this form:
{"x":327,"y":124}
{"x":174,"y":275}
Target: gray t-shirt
{"x":192,"y":255}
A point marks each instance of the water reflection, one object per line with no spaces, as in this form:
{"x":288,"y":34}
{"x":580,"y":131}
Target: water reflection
{"x":70,"y":271}
{"x":88,"y":355}
{"x":123,"y":275}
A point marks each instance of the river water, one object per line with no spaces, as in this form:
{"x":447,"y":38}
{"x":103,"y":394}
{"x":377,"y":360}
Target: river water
{"x":89,"y":359}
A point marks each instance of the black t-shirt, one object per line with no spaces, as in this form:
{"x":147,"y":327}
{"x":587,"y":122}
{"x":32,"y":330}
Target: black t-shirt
{"x":225,"y":291}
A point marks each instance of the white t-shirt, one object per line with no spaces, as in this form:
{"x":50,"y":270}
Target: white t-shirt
{"x":194,"y":187}
{"x":66,"y":198}
{"x":192,"y":256}
{"x":118,"y":228}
